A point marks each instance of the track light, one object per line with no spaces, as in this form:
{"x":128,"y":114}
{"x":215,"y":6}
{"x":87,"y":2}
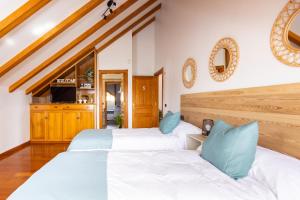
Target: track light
{"x":110,"y":5}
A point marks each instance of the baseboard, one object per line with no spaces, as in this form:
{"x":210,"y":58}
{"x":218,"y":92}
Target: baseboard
{"x":13,"y":150}
{"x":50,"y":142}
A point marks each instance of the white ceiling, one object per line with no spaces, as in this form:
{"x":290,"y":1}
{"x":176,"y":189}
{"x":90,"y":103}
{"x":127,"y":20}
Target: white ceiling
{"x":54,"y":13}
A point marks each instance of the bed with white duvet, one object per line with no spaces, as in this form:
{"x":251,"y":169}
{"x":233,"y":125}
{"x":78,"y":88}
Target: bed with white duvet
{"x":133,"y":139}
{"x":157,"y":175}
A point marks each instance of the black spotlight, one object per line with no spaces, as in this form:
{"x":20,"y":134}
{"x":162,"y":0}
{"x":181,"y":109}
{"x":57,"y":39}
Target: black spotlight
{"x":110,"y":5}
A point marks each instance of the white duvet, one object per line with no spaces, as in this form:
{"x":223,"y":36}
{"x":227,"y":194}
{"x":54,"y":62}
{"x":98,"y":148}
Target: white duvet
{"x":146,"y":139}
{"x":181,"y":175}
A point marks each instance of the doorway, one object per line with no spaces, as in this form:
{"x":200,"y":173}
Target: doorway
{"x":160,"y":78}
{"x":113,"y":93}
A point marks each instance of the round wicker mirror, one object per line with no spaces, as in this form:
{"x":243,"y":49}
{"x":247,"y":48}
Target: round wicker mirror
{"x":285,"y":35}
{"x":189,"y":73}
{"x":223,"y":59}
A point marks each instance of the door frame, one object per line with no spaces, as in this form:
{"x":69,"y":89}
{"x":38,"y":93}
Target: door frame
{"x":101,"y":95}
{"x":162,"y":73}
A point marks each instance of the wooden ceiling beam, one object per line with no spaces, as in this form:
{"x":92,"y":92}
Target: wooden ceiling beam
{"x":49,"y":77}
{"x":70,"y":46}
{"x":43,"y":40}
{"x":142,"y":27}
{"x":20,"y":15}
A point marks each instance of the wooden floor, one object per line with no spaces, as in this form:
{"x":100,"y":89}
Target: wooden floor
{"x":18,"y":167}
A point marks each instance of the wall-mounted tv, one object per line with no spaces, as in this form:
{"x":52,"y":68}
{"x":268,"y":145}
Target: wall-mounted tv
{"x":63,"y":94}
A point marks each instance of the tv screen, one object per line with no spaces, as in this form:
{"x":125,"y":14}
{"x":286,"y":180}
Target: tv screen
{"x":63,"y":94}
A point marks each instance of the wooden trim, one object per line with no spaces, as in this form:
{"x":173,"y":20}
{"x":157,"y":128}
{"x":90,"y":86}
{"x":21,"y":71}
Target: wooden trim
{"x":276,"y":108}
{"x":20,"y":15}
{"x":294,"y":37}
{"x":142,"y":27}
{"x":159,"y":72}
{"x":130,"y":28}
{"x":70,"y":46}
{"x":14,"y":150}
{"x":125,"y":83}
{"x":45,"y":80}
{"x":43,"y":40}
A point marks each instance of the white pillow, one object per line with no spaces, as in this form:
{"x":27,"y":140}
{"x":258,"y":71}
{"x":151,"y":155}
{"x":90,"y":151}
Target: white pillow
{"x":183,"y":129}
{"x":279,"y":172}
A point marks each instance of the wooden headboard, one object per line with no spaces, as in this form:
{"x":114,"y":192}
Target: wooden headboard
{"x":276,"y":108}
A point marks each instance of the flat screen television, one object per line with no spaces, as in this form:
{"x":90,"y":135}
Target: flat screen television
{"x":63,"y":94}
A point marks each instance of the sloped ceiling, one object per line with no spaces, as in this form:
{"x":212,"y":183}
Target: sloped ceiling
{"x":45,"y":19}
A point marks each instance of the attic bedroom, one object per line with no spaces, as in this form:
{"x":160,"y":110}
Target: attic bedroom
{"x":149,"y":99}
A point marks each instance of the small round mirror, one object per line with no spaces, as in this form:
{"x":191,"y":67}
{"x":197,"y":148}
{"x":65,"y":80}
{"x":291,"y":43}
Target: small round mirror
{"x":189,"y":73}
{"x":293,"y":33}
{"x":221,"y":61}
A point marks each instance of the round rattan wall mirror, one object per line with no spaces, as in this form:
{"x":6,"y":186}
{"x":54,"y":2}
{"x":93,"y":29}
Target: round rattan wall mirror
{"x":223,"y":59}
{"x":189,"y":73}
{"x":285,"y":35}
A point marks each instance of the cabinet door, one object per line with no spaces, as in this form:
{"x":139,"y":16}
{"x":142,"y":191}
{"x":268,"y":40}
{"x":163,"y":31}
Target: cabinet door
{"x":87,"y":120}
{"x":71,"y":122}
{"x":38,"y":130}
{"x":54,"y":126}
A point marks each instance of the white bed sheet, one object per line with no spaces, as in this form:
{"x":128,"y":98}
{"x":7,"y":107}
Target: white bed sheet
{"x":181,"y":175}
{"x":146,"y":139}
{"x":168,"y":175}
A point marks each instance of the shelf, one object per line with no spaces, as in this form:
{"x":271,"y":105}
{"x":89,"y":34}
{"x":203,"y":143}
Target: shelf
{"x":86,"y":88}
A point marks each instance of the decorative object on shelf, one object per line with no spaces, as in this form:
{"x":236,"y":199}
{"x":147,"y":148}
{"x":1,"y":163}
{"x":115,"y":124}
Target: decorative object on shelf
{"x":118,"y":120}
{"x":189,"y":73}
{"x":89,"y":74}
{"x":62,"y":81}
{"x":285,"y":37}
{"x":85,"y":86}
{"x":223,"y":59}
{"x":110,"y":5}
{"x":207,"y":126}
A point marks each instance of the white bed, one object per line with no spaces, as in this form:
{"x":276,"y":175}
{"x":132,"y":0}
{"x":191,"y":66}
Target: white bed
{"x":158,"y":175}
{"x":133,"y":139}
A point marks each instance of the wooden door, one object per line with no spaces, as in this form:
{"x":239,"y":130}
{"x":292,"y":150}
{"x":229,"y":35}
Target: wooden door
{"x":145,"y":98}
{"x":71,"y":124}
{"x":87,"y":120}
{"x":54,"y":126}
{"x":38,"y":128}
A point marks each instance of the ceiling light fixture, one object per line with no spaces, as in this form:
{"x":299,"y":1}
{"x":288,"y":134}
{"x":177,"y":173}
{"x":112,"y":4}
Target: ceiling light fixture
{"x":110,"y":5}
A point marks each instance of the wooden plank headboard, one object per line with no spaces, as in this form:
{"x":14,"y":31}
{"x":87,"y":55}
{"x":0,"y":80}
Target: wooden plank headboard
{"x":276,"y":108}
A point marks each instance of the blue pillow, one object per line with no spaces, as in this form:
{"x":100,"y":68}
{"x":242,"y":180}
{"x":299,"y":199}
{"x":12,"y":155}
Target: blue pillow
{"x":169,"y":113}
{"x":231,"y":149}
{"x":169,"y":122}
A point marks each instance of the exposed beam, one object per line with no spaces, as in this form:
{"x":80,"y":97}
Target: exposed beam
{"x":20,"y":15}
{"x":295,"y":38}
{"x":43,"y":40}
{"x":46,"y":79}
{"x":70,"y":46}
{"x":142,"y":27}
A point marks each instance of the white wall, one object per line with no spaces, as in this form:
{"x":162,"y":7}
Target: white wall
{"x":192,"y":29}
{"x":143,"y":48}
{"x":14,"y":119}
{"x":118,"y":56}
